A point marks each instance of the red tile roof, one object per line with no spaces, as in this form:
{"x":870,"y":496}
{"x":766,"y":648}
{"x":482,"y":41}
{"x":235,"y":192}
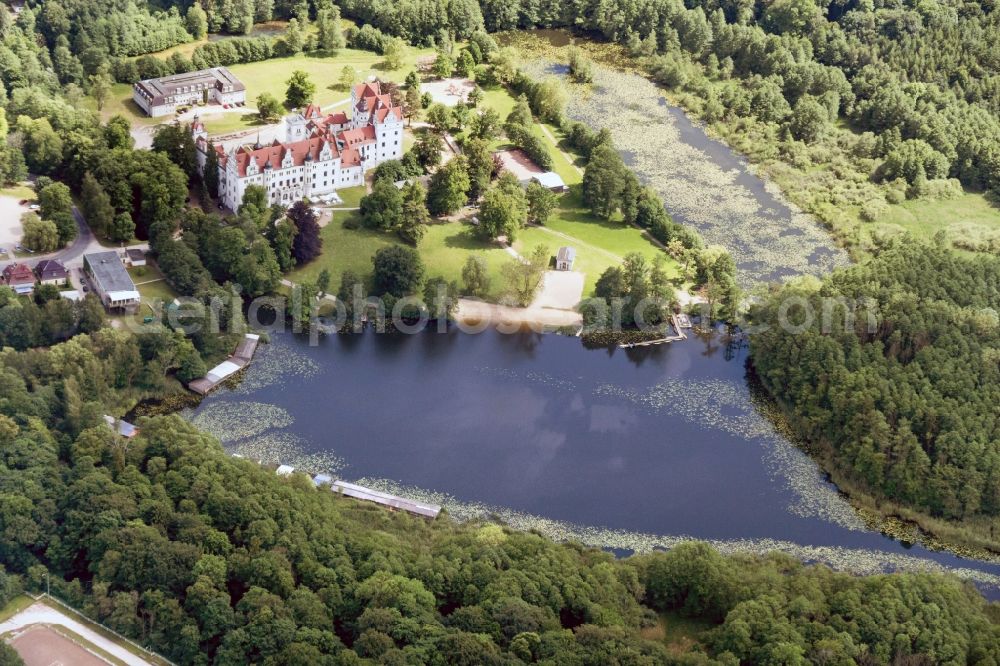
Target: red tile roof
{"x":17,"y":274}
{"x":359,"y":136}
{"x":275,"y":153}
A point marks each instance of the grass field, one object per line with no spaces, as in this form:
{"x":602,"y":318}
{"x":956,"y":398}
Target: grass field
{"x":444,"y":250}
{"x":923,"y":217}
{"x":599,"y":244}
{"x":680,"y":634}
{"x":18,"y":192}
{"x":270,"y":76}
{"x":15,"y":606}
{"x":151,"y":285}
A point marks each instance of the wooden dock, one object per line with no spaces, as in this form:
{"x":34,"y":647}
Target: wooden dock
{"x":678,"y":324}
{"x":240,"y":359}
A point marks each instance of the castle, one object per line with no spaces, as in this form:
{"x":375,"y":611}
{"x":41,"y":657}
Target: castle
{"x":320,"y":154}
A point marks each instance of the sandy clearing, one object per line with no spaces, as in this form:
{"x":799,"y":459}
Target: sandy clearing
{"x":479,"y":315}
{"x":561,"y":290}
{"x":517,"y":162}
{"x":40,"y":645}
{"x":10,"y":221}
{"x":448,"y":91}
{"x":39,"y":613}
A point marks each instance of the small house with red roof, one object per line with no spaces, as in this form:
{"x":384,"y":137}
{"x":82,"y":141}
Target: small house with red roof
{"x":18,"y":277}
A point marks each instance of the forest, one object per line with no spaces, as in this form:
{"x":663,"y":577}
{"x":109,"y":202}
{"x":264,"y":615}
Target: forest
{"x":891,"y":370}
{"x":215,"y":559}
{"x":877,"y":102}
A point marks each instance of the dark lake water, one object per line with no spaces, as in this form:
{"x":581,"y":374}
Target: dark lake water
{"x":624,"y":449}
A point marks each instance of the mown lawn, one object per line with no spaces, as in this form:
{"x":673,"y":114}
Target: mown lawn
{"x":599,"y":244}
{"x":270,"y":76}
{"x":15,"y":606}
{"x":444,"y":250}
{"x":151,"y":285}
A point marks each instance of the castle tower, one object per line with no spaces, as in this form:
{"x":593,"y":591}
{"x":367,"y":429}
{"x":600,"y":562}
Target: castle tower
{"x":295,"y":127}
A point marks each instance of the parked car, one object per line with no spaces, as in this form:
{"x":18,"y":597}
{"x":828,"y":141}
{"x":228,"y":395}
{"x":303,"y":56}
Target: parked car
{"x":34,"y":207}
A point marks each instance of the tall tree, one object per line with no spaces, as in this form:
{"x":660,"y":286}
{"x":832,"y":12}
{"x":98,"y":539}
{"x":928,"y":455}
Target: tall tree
{"x":415,"y":217}
{"x":307,"y":243}
{"x":449,"y":187}
{"x":300,"y":90}
{"x":96,"y":205}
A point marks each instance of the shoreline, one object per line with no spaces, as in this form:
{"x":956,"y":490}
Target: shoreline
{"x":883,"y":515}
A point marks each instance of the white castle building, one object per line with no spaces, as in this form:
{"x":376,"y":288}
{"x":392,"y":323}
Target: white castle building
{"x":320,"y":154}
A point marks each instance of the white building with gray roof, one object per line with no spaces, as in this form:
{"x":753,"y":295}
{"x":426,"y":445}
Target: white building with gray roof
{"x":162,"y":96}
{"x":111,"y":282}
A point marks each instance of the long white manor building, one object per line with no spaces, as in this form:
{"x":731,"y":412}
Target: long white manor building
{"x":320,"y":154}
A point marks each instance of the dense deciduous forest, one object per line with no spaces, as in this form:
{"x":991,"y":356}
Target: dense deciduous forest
{"x":214,"y":559}
{"x":904,"y":395}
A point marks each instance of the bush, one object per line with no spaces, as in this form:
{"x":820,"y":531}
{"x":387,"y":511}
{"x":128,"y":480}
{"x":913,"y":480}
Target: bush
{"x":944,"y":189}
{"x":874,"y":210}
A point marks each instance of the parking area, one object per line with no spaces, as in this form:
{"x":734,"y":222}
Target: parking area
{"x":11,"y":211}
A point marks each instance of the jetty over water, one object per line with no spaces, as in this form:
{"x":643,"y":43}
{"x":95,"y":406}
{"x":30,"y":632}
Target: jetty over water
{"x":385,"y":499}
{"x":679,"y":322}
{"x":353,"y":490}
{"x":220,"y":373}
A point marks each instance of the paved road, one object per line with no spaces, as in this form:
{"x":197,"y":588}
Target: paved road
{"x":71,"y":256}
{"x":39,"y":613}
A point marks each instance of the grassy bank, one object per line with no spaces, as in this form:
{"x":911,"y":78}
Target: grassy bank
{"x":831,"y":179}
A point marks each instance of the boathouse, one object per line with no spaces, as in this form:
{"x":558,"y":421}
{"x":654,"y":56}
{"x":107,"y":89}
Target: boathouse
{"x":220,"y":373}
{"x":393,"y":502}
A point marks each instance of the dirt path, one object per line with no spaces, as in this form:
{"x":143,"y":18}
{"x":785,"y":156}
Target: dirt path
{"x":569,"y":158}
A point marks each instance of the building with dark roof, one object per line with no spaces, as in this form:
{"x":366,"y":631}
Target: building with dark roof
{"x":160,"y":97}
{"x":111,"y":282}
{"x":50,"y":271}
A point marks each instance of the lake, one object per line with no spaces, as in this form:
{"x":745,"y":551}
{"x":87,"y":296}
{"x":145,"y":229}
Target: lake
{"x":623,"y":449}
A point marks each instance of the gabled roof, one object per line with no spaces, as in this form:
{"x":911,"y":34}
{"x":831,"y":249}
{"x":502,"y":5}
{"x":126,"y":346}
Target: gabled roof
{"x":18,"y":274}
{"x":566,"y":253}
{"x":357,"y":137}
{"x":367,"y":89}
{"x":312,"y":111}
{"x":272,"y":156}
{"x":50,"y":268}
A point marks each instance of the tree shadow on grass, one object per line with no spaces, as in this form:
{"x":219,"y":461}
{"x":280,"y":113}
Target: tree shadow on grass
{"x":464,"y":238}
